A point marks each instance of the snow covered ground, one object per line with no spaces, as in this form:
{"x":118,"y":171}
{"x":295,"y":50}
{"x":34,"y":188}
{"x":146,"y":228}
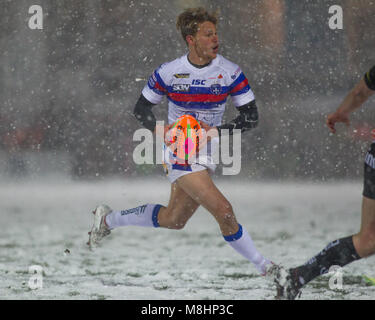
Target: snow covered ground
{"x":45,"y":223}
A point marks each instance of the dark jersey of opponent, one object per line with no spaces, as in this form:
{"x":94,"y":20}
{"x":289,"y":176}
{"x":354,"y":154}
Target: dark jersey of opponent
{"x":370,"y":78}
{"x":369,"y":176}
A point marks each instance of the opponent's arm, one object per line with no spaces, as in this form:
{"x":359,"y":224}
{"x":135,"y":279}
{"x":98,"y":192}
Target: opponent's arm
{"x":354,"y":99}
{"x":248,"y":119}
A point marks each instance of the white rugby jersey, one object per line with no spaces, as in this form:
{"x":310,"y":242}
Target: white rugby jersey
{"x":199,"y":92}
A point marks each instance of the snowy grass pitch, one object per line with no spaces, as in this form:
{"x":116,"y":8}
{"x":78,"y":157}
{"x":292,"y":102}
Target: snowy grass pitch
{"x":46,"y":224}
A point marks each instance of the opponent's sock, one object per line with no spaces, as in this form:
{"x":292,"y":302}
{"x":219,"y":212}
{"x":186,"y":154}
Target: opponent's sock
{"x":244,"y":245}
{"x":339,"y":252}
{"x":145,"y":216}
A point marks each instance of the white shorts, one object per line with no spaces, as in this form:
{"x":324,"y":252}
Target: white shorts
{"x":174,"y":170}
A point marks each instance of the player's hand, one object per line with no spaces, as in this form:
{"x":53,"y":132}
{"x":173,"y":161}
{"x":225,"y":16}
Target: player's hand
{"x":208,"y":128}
{"x":336,"y":117}
{"x":168,"y":134}
{"x":164,"y":131}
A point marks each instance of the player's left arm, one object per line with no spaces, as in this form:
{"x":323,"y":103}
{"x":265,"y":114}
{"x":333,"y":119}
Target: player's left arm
{"x":247,"y":119}
{"x":244,"y":99}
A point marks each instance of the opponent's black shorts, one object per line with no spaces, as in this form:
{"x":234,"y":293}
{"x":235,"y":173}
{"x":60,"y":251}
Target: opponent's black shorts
{"x":369,"y":174}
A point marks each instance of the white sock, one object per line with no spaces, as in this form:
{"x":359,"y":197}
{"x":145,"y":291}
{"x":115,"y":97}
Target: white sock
{"x":244,"y":245}
{"x":145,"y":216}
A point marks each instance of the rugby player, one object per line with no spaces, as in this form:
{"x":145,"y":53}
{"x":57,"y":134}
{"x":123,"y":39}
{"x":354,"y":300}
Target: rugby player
{"x":198,"y":84}
{"x":342,"y":251}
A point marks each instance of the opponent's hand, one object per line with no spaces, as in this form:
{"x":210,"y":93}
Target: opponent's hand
{"x":336,"y":117}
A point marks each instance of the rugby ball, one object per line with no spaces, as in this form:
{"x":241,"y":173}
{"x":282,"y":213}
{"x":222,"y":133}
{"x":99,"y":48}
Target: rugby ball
{"x":185,"y":137}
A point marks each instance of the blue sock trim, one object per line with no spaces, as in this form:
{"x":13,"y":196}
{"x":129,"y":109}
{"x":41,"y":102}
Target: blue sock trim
{"x":155,"y":213}
{"x":235,"y":236}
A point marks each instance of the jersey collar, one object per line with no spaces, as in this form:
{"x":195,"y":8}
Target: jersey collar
{"x":195,"y":69}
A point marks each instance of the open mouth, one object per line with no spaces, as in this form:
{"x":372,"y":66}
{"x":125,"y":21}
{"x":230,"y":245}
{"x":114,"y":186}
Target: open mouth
{"x":216,"y":48}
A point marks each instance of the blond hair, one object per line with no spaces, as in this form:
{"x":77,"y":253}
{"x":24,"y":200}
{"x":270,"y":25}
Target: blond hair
{"x":189,"y":20}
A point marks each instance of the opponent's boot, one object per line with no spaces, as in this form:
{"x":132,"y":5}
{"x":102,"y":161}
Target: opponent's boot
{"x":99,"y":229}
{"x":287,"y":287}
{"x":279,"y":276}
{"x":273,"y":271}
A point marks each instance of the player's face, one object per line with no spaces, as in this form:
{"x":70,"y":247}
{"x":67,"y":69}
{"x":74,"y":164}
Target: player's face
{"x":206,"y":42}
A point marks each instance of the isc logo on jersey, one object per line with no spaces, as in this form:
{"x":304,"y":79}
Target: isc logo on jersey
{"x":198,"y":82}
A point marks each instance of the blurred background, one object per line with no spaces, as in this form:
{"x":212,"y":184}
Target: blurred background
{"x":67,"y":92}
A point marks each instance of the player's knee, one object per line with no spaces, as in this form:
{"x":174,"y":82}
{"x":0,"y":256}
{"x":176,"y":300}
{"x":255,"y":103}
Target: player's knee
{"x":177,"y":224}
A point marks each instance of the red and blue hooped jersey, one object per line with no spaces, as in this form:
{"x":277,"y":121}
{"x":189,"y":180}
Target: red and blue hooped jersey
{"x":200,"y":92}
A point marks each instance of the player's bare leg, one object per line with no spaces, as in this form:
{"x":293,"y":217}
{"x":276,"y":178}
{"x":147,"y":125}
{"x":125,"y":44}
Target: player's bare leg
{"x":201,"y":188}
{"x":339,"y":252}
{"x":187,"y":193}
{"x":179,"y":210}
{"x":364,"y":241}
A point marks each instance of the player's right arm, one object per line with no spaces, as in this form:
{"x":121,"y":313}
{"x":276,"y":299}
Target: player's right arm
{"x":143,"y":113}
{"x":354,"y":99}
{"x":152,"y":94}
{"x":145,"y":116}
